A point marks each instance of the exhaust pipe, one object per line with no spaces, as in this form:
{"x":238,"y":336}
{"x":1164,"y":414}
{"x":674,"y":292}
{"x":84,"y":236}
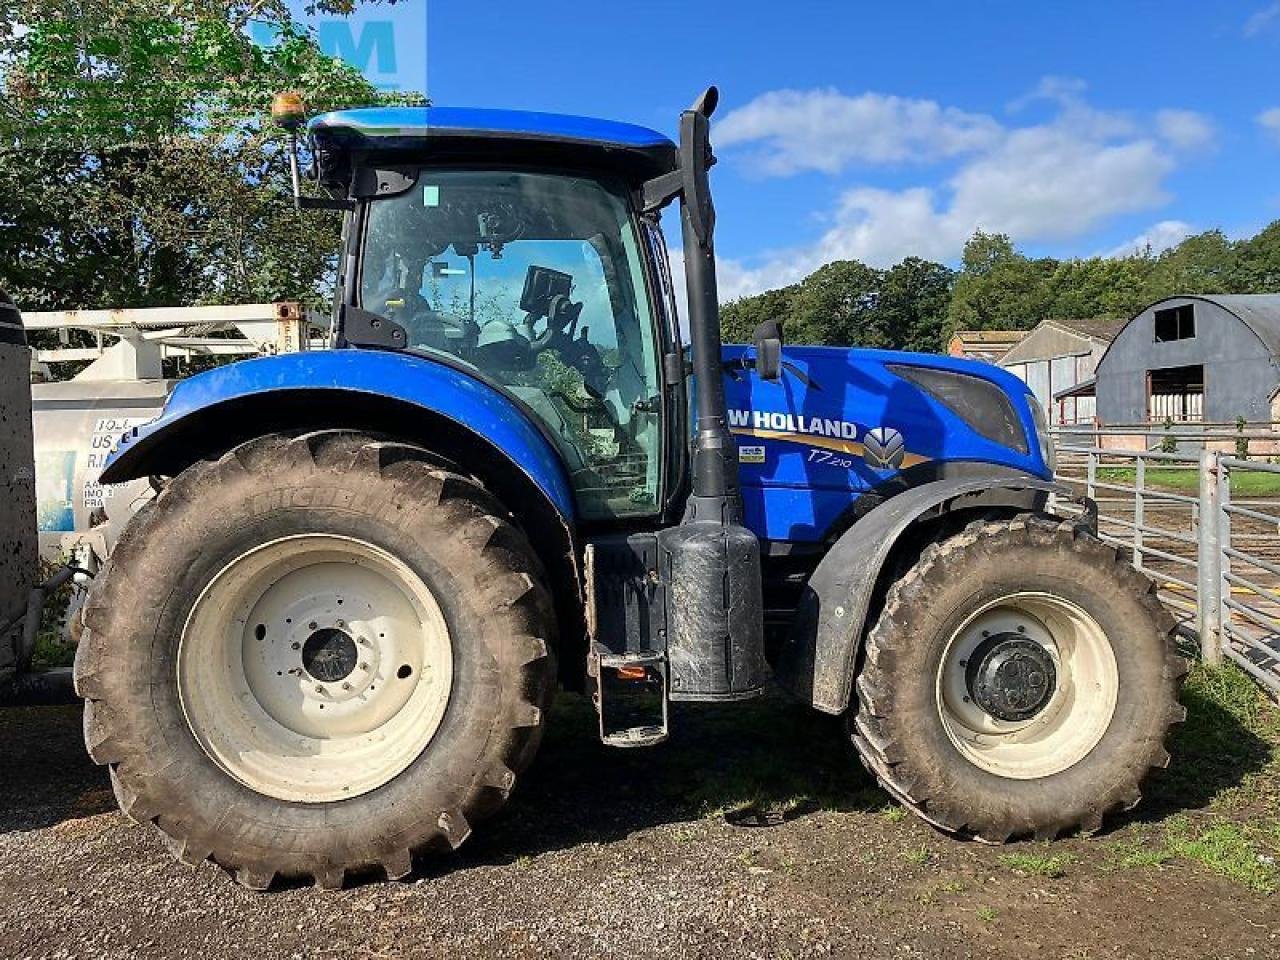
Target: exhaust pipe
{"x":710,"y":561}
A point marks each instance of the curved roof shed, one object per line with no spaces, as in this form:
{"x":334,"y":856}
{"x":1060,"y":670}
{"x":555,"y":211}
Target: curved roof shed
{"x":1202,"y":357}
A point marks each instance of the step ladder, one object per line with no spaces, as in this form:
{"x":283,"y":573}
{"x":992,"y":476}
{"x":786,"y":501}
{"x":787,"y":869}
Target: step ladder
{"x":621,"y":681}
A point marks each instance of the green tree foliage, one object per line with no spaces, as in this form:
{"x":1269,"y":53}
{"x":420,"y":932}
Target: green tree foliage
{"x":918,"y":305}
{"x":998,"y":288}
{"x":914,"y":295}
{"x":847,"y":302}
{"x":137,"y":164}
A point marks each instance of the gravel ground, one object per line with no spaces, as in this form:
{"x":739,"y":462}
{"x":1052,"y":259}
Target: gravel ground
{"x":618,"y":854}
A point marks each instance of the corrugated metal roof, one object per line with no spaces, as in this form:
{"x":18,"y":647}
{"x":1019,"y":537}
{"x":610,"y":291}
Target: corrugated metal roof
{"x":1259,"y":311}
{"x":1100,"y":328}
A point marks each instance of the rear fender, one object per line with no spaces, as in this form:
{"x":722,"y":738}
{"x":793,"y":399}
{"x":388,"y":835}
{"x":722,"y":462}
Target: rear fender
{"x":217,"y":410}
{"x":399,"y":396}
{"x":817,"y":660}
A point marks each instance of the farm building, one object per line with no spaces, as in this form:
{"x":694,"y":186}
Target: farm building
{"x":988,"y":345}
{"x":1057,"y":361}
{"x":1194,"y":359}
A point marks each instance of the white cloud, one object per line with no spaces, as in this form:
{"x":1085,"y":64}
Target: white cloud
{"x":1156,"y":238}
{"x":1269,"y":120}
{"x":1052,"y":180}
{"x":1261,"y":19}
{"x":1185,"y":129}
{"x":797,"y":130}
{"x":1063,"y":90}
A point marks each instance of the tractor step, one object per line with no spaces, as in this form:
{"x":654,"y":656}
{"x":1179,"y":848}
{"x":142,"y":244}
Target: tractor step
{"x":630,"y":696}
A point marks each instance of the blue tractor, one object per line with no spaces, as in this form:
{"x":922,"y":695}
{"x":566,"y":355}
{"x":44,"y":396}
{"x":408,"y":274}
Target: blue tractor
{"x":329,"y":643}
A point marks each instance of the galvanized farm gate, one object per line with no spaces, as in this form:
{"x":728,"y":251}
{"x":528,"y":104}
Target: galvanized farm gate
{"x":1205,"y":526}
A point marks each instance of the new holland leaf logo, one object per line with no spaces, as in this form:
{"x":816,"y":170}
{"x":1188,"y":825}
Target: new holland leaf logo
{"x":883,"y":448}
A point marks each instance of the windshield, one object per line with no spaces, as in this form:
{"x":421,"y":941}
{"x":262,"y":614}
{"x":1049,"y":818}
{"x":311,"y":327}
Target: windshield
{"x":536,"y":281}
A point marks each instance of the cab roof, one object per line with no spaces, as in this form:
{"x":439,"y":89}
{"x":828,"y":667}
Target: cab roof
{"x":455,"y":133}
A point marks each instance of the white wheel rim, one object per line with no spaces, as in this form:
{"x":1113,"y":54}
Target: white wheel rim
{"x":1077,"y":712}
{"x":262,"y":668}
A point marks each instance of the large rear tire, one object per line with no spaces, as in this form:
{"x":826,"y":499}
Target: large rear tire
{"x":317,"y":655}
{"x":1020,"y":681}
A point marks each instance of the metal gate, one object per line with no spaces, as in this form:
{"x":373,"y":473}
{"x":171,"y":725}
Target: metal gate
{"x":1206,"y":528}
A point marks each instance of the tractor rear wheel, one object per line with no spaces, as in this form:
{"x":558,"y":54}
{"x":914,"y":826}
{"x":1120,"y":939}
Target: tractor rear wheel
{"x":1020,"y":681}
{"x":318,"y":655}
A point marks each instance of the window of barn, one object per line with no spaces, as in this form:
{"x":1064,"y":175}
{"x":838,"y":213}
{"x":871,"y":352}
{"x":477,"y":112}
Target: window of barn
{"x":1175,"y":323}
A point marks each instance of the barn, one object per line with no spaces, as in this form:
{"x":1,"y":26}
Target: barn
{"x":1194,"y":359}
{"x":1057,"y":360}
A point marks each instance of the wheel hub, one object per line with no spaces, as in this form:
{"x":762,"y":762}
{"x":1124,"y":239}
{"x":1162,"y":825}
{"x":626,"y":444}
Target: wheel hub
{"x":329,"y":655}
{"x":1011,"y":677}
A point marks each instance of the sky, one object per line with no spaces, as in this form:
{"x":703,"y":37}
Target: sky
{"x":882,"y":130}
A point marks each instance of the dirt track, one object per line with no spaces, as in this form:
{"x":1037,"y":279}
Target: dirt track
{"x":614,"y":853}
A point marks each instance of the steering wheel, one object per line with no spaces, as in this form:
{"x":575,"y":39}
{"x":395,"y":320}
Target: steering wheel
{"x":411,"y":310}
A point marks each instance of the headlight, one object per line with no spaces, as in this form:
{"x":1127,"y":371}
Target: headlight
{"x":1042,"y":433}
{"x":981,"y":404}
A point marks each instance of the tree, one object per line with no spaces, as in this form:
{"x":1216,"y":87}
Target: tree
{"x":998,"y":288}
{"x":836,"y":304}
{"x":739,"y":318}
{"x":847,"y":303}
{"x":1258,"y":262}
{"x":914,"y":296}
{"x":1204,"y":263}
{"x":917,"y":304}
{"x":1098,"y":287}
{"x":136,"y":164}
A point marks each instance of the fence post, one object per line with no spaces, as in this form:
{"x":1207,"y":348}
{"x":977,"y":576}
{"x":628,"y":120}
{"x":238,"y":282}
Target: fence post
{"x":1224,"y":542}
{"x":1209,"y":558}
{"x":1139,"y":509}
{"x":1091,"y":475}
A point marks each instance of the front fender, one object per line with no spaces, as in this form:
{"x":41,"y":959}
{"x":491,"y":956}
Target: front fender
{"x":236,"y":402}
{"x":816,"y":663}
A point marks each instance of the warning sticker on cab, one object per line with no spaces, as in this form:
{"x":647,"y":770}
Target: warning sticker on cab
{"x":751,"y":453}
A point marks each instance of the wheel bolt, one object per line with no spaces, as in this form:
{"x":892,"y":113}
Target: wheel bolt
{"x":346,"y":686}
{"x":964,"y":663}
{"x":320,"y":689}
{"x":342,"y":623}
{"x":296,"y":646}
{"x":986,"y":633}
{"x":364,"y":666}
{"x":311,"y":625}
{"x":363,"y":641}
{"x":1021,"y":628}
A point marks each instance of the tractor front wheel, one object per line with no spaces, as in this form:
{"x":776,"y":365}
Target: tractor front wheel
{"x":317,"y":655}
{"x":1020,"y":681}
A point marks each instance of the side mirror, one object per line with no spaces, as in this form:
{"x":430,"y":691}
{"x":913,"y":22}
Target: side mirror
{"x":768,"y":341}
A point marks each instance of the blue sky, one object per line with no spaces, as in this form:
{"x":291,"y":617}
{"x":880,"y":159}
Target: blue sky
{"x":878,"y":130}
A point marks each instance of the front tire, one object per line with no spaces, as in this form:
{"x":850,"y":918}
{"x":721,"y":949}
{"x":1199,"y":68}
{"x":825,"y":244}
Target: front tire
{"x":1020,"y":681}
{"x":317,"y":655}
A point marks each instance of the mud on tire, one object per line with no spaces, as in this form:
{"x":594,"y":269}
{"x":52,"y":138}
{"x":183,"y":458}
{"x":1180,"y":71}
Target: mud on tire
{"x":443,"y":527}
{"x":901,"y":723}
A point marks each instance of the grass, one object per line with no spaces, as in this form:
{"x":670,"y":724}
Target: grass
{"x":917,"y":855}
{"x":1228,"y":850}
{"x":986,"y":914}
{"x":1138,"y":853}
{"x":1221,"y":795}
{"x":1047,"y":865}
{"x":1187,"y":479}
{"x":894,"y":813}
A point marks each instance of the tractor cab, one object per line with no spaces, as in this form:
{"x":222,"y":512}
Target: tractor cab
{"x":513,"y":246}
